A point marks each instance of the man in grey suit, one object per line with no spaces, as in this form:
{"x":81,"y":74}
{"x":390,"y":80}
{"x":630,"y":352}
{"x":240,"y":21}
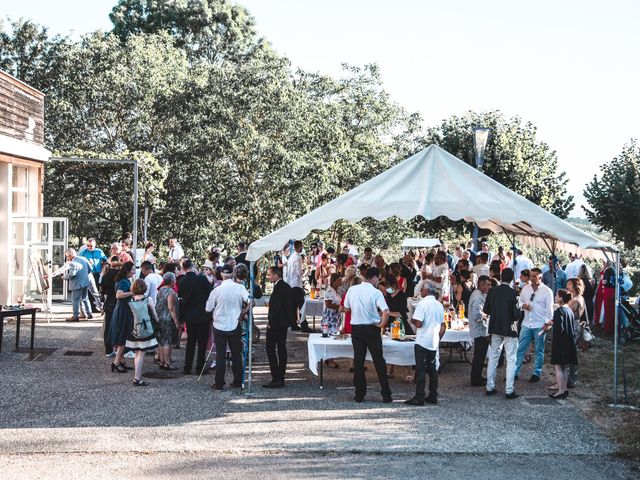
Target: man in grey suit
{"x":77,"y":273}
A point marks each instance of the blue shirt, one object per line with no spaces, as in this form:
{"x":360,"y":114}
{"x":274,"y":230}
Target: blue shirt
{"x":94,"y":257}
{"x":561,"y":280}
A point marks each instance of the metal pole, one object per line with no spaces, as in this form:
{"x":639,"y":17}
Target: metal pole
{"x":250,"y":330}
{"x":146,"y":220}
{"x":134,"y":233}
{"x":615,"y":331}
{"x":476,"y":246}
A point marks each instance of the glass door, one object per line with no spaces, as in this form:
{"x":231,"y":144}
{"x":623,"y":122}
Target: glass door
{"x":38,"y":244}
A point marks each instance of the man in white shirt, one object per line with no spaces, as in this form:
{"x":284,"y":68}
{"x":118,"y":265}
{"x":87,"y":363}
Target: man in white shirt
{"x":294,"y":272}
{"x":151,"y":278}
{"x":481,"y":268}
{"x":522,"y":262}
{"x":364,"y":301}
{"x":175,"y":251}
{"x":430,"y":327}
{"x":440,"y":274}
{"x":353,"y":251}
{"x":573,"y":268}
{"x":536,"y":300}
{"x":229,"y":303}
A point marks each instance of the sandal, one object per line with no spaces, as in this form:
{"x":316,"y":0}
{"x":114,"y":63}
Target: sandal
{"x":139,"y":383}
{"x":165,"y":366}
{"x":553,"y":387}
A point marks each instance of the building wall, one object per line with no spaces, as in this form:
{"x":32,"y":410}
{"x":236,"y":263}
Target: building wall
{"x":22,"y":110}
{"x":21,"y":166}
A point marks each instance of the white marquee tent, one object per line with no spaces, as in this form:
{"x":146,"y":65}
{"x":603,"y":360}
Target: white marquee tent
{"x":433,"y":183}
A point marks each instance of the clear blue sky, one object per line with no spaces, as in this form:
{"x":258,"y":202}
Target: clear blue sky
{"x":570,"y":66}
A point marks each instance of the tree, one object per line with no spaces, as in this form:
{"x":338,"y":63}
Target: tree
{"x":514,"y":157}
{"x":28,"y":53}
{"x":208,"y":30}
{"x":615,"y":197}
{"x":97,"y":198}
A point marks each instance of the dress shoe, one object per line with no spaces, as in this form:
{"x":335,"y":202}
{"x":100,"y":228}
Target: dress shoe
{"x":478,"y":383}
{"x":89,"y":317}
{"x":217,"y":387}
{"x":236,"y":385}
{"x":491,"y":392}
{"x":358,"y":399}
{"x":72,"y":319}
{"x":273,"y":384}
{"x":186,"y":371}
{"x":534,"y":379}
{"x":562,"y":396}
{"x":414,"y":402}
{"x":511,"y":396}
{"x":431,"y":400}
{"x":387,"y":399}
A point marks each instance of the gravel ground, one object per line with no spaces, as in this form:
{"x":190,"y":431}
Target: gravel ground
{"x":61,"y":412}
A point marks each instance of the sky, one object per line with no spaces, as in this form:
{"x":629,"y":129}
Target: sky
{"x":570,"y":67}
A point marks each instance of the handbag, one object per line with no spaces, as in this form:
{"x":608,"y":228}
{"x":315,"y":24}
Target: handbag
{"x":587,"y":336}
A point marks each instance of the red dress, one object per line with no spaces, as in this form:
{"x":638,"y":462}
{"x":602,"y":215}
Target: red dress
{"x":605,"y":300}
{"x":347,"y":316}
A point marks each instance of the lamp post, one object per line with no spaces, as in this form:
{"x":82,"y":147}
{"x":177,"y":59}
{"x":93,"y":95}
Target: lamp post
{"x":480,"y":139}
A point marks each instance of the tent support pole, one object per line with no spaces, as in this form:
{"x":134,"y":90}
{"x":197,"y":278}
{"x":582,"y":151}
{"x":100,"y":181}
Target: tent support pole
{"x":615,"y":331}
{"x":512,"y":239}
{"x":252,"y":280}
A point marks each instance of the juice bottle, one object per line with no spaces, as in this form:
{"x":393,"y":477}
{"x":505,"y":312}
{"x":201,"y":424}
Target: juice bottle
{"x":461,"y":311}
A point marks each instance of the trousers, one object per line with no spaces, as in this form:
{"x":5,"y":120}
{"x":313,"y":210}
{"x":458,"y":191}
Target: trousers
{"x":80,"y":297}
{"x":197,"y":334}
{"x":232,"y":338}
{"x":528,"y":336}
{"x":276,"y":345}
{"x":426,"y":365}
{"x":510,"y":345}
{"x":480,"y":347}
{"x":363,"y":338}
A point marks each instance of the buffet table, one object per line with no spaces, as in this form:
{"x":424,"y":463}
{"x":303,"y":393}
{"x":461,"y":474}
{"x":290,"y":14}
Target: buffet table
{"x":312,"y":308}
{"x":395,"y":352}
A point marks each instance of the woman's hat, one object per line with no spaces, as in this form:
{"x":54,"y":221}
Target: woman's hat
{"x":208,"y":264}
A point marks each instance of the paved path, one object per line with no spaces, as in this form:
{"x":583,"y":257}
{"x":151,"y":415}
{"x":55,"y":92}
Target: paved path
{"x":70,"y":416}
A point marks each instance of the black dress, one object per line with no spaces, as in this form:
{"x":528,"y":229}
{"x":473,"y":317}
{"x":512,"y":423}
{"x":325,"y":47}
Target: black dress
{"x":563,"y":345}
{"x":122,"y":317}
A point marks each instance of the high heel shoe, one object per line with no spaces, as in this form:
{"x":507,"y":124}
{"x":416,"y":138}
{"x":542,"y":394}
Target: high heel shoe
{"x":118,"y":368}
{"x":124,"y":366}
{"x":562,"y":396}
{"x":139,"y":383}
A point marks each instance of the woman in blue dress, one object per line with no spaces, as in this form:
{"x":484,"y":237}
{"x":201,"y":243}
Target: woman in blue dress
{"x":142,"y":336}
{"x":122,"y":318}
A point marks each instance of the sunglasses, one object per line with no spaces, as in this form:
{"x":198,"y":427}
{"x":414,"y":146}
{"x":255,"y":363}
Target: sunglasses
{"x":533,"y":295}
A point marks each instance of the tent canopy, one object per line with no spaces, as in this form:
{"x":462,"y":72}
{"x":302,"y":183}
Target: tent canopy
{"x":434,"y":183}
{"x":408,"y":243}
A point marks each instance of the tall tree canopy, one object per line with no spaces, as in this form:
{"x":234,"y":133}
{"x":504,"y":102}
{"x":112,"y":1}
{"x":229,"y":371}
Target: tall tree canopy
{"x":234,"y":142}
{"x":614,"y":198}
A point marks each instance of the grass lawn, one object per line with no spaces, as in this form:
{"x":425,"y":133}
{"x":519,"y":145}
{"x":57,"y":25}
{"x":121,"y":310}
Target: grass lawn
{"x":595,"y":393}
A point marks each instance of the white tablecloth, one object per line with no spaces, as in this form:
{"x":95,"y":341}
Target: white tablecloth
{"x":324,"y":348}
{"x":311,"y":308}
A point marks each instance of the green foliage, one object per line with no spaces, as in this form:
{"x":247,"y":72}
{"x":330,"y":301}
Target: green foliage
{"x":100,"y":196}
{"x":514,"y":157}
{"x":615,"y":197}
{"x":234,"y":142}
{"x":208,"y":30}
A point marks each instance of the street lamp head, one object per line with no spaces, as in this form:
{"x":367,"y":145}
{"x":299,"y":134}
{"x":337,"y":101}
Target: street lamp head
{"x":480,"y":138}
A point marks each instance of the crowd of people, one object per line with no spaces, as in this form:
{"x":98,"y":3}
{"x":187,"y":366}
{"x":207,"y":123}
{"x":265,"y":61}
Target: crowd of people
{"x":510,"y":303}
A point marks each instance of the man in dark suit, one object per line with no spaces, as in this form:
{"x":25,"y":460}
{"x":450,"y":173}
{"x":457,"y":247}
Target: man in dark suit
{"x":194,"y":291}
{"x":502,"y":307}
{"x":281,"y":316}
